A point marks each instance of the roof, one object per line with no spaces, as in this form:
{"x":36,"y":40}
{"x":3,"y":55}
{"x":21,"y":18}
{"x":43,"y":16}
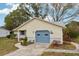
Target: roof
{"x":2,"y":28}
{"x":53,"y":23}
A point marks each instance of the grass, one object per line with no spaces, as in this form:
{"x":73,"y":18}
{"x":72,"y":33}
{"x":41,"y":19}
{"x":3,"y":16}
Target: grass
{"x":7,"y":45}
{"x":65,"y":45}
{"x":76,"y":40}
{"x":59,"y":54}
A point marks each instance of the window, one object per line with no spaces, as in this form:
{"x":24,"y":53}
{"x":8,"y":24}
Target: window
{"x":46,"y":34}
{"x":38,"y":34}
{"x":22,"y":32}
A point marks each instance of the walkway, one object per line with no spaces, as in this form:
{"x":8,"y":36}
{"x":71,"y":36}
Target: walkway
{"x":61,"y":50}
{"x":29,"y":50}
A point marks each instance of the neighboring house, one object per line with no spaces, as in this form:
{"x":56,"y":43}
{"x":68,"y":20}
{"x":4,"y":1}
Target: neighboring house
{"x":40,"y":31}
{"x":4,"y":32}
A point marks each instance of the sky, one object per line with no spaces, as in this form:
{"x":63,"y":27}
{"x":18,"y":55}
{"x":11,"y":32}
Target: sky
{"x":5,"y":9}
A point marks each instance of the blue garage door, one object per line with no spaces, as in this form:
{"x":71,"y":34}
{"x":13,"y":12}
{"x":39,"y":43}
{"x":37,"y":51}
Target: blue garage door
{"x":42,"y":36}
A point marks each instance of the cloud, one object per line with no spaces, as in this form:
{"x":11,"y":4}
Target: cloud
{"x":8,"y":10}
{"x":4,"y":11}
{"x":9,"y":4}
{"x":14,"y":7}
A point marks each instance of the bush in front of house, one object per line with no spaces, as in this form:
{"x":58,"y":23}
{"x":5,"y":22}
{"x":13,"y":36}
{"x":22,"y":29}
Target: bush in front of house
{"x":76,"y":40}
{"x":70,"y":35}
{"x":8,"y":36}
{"x":56,"y":43}
{"x":66,"y":36}
{"x":11,"y":36}
{"x":25,"y":42}
{"x":73,"y":34}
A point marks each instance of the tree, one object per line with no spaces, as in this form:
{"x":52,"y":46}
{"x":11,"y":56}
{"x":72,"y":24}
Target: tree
{"x":59,"y":12}
{"x":24,"y":13}
{"x":16,"y":18}
{"x":64,"y":11}
{"x":72,"y":30}
{"x":36,"y":9}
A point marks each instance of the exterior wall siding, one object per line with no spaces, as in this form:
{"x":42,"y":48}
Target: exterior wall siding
{"x":33,"y":26}
{"x":4,"y":33}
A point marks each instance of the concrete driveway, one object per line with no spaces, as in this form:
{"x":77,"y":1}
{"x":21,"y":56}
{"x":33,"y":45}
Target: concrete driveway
{"x":33,"y":50}
{"x":29,"y":50}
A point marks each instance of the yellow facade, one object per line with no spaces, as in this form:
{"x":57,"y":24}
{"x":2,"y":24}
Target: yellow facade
{"x":56,"y":32}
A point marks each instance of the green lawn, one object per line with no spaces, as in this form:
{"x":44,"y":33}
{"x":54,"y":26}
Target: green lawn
{"x":7,"y":45}
{"x":76,"y":40}
{"x":59,"y":54}
{"x":65,"y":45}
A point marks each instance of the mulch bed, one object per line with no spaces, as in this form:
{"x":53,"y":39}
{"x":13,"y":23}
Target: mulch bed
{"x":65,"y":45}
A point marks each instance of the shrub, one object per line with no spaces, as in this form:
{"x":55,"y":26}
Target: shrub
{"x":11,"y":36}
{"x":55,"y":43}
{"x":24,"y":41}
{"x":73,"y":34}
{"x":8,"y":36}
{"x":66,"y":36}
{"x":70,"y":35}
{"x":76,"y":40}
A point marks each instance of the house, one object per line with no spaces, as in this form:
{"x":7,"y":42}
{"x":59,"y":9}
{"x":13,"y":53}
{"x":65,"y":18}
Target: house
{"x":4,"y":32}
{"x":40,"y":31}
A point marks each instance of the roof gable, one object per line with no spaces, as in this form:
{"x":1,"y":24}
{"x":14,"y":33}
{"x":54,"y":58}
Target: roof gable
{"x":54,"y":23}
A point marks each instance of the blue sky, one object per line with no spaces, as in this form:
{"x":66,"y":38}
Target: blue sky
{"x":6,"y":8}
{"x":2,"y":16}
{"x":4,"y":5}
